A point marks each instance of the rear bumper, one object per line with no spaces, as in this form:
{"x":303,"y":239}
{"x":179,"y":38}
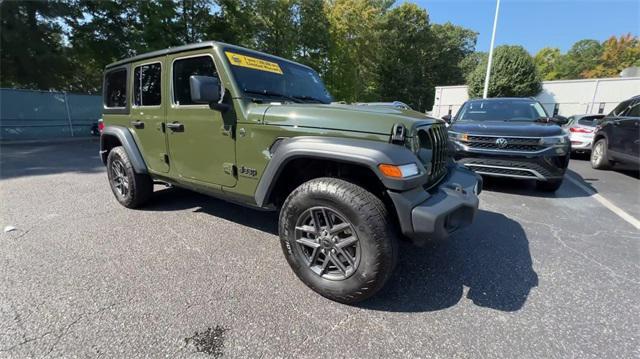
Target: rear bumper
{"x":580,"y":142}
{"x":432,"y":215}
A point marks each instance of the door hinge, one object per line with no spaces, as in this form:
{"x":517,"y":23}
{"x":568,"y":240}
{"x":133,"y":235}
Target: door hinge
{"x":229,"y":168}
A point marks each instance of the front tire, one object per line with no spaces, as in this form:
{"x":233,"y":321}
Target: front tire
{"x":338,"y":239}
{"x":599,"y":155}
{"x":131,"y":189}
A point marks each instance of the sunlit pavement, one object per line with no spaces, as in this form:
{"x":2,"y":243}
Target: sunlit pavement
{"x":536,"y":276}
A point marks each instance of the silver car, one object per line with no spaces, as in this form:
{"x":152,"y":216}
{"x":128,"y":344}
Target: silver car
{"x":581,"y":129}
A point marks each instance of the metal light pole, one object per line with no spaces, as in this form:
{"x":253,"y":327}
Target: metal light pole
{"x":493,"y":39}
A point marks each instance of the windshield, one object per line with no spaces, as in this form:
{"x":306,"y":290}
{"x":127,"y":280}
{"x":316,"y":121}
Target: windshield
{"x":276,"y":79}
{"x":499,"y":110}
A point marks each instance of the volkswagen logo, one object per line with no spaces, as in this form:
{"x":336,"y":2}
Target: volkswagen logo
{"x":501,"y":142}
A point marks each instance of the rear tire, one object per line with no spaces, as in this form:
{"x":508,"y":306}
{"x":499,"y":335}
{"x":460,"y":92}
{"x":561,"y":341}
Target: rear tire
{"x":130,"y":189}
{"x":599,"y":155}
{"x":549,"y":186}
{"x":325,"y":220}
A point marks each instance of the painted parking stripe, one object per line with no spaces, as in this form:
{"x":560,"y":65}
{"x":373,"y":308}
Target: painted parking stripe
{"x":605,"y":202}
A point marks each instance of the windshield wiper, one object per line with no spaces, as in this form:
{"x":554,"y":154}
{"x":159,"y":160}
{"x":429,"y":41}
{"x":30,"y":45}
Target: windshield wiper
{"x":272,"y":93}
{"x":309,"y":98}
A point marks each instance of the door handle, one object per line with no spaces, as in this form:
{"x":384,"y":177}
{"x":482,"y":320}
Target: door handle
{"x":176,"y":126}
{"x":137,"y":124}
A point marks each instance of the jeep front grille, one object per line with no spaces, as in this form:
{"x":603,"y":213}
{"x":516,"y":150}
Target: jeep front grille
{"x":434,"y":139}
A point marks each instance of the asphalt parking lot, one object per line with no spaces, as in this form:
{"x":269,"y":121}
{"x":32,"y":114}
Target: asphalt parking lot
{"x":537,"y":275}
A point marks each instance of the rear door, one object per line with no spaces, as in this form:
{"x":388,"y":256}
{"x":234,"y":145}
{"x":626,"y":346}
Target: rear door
{"x":201,"y":146}
{"x":148,"y":113}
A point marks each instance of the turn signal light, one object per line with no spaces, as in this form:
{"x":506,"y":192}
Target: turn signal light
{"x":403,"y":171}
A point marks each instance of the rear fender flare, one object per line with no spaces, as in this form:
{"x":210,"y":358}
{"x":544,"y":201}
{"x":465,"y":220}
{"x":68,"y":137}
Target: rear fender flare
{"x":125,"y":138}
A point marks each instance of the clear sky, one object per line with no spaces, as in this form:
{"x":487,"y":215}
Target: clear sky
{"x":535,"y":24}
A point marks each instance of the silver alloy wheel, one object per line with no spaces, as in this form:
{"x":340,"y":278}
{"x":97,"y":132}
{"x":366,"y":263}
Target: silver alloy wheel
{"x":328,"y":242}
{"x":119,"y":178}
{"x":596,"y":154}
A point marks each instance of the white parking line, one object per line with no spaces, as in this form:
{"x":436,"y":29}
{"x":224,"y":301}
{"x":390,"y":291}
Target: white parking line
{"x":605,"y":202}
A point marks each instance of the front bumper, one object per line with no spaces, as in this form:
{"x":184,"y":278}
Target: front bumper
{"x":546,"y":165}
{"x":430,"y":215}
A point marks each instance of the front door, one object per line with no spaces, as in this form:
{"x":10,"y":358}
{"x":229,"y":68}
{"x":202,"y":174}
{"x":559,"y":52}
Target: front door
{"x":148,"y":114}
{"x":201,"y":147}
{"x":630,"y":132}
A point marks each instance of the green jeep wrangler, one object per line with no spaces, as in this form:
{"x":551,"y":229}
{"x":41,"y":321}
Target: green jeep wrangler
{"x":262,"y":131}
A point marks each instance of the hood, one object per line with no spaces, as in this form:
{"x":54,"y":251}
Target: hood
{"x":502,"y":128}
{"x":367,"y":119}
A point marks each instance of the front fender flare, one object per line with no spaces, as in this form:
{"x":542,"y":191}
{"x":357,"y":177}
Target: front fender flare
{"x":125,"y":138}
{"x":366,"y":153}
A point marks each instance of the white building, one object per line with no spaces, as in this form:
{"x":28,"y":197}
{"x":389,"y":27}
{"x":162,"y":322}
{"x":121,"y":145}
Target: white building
{"x":563,"y":97}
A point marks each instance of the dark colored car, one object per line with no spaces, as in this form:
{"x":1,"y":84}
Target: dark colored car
{"x":511,"y":137}
{"x":617,"y":137}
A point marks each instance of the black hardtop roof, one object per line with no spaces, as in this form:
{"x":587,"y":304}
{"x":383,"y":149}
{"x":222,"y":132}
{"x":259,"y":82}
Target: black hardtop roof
{"x":189,"y":47}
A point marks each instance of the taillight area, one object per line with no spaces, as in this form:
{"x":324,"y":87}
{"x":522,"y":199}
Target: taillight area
{"x":100,"y":125}
{"x":580,"y":130}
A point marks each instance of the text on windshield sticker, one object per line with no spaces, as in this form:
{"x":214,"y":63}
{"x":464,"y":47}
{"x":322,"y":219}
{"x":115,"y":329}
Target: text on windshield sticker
{"x":253,"y":63}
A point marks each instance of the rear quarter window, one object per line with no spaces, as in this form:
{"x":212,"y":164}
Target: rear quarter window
{"x":115,"y":89}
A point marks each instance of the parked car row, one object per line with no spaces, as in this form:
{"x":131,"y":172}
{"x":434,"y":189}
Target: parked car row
{"x":349,"y":180}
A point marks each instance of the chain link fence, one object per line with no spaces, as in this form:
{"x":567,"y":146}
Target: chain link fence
{"x":42,"y":115}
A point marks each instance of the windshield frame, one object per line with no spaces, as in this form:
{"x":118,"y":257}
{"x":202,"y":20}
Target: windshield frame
{"x":252,"y":91}
{"x":537,"y":105}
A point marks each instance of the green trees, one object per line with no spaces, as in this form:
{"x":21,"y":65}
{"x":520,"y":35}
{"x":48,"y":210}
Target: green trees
{"x":513,"y":74}
{"x":617,"y":54}
{"x":364,"y":49}
{"x":402,"y":65}
{"x":547,"y":61}
{"x":590,"y":59}
{"x":31,"y":44}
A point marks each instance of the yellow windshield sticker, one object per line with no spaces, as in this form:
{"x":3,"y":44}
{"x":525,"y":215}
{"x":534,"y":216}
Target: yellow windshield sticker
{"x":253,"y":63}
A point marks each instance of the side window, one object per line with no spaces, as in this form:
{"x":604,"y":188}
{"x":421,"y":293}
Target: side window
{"x":620,"y":108}
{"x":115,"y":93}
{"x":634,"y":110}
{"x":185,"y":68}
{"x":146,"y":85}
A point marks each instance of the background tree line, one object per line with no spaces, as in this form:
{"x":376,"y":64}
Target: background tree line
{"x":589,"y":59}
{"x":364,"y":49}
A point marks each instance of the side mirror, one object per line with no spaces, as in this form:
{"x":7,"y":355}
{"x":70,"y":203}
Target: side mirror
{"x":447,"y":118}
{"x":204,"y":89}
{"x":560,"y":120}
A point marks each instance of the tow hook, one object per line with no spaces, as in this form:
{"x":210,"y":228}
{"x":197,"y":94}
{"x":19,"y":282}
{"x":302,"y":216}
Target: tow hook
{"x":457,"y":187}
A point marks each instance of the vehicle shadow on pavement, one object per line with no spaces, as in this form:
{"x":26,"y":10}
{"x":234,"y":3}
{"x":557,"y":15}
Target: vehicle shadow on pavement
{"x":35,"y":159}
{"x":491,"y":258}
{"x":528,"y":188}
{"x":175,"y":199}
